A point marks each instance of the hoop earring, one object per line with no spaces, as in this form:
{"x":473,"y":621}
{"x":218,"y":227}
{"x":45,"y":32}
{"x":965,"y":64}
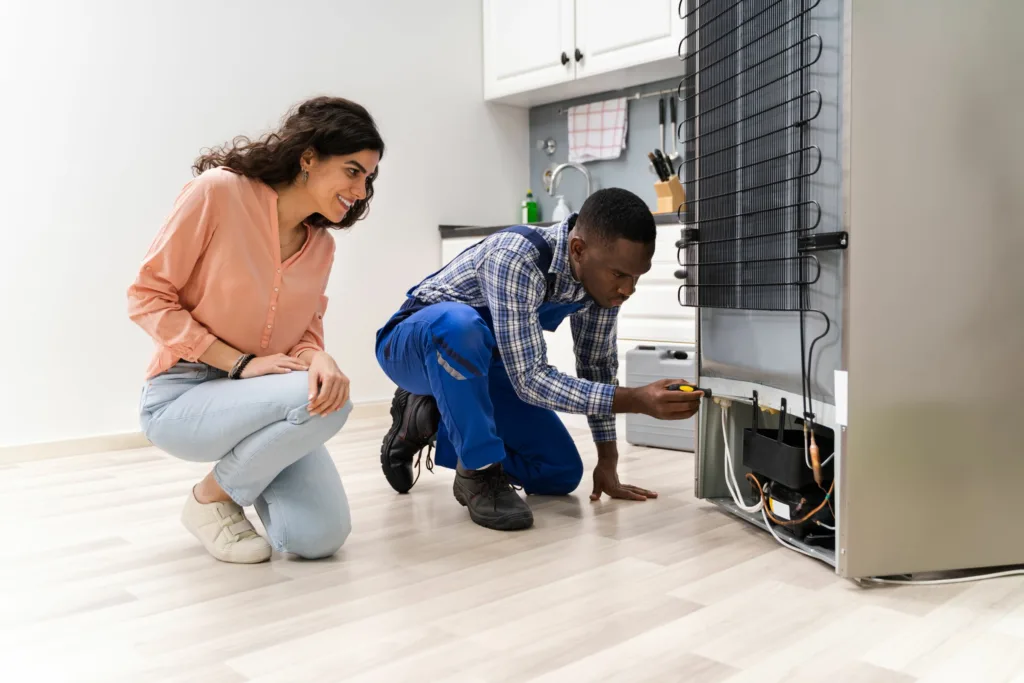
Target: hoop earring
{"x":305,"y":176}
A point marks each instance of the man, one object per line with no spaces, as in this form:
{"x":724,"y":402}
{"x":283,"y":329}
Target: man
{"x":468,"y":355}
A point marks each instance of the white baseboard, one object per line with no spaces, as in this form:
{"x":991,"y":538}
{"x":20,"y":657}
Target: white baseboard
{"x":371,"y":410}
{"x":102,"y":443}
{"x":60,"y":449}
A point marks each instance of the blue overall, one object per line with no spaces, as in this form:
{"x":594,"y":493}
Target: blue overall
{"x":447,"y":350}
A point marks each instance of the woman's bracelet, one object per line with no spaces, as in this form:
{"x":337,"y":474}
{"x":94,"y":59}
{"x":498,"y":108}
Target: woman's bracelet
{"x":239,"y":368}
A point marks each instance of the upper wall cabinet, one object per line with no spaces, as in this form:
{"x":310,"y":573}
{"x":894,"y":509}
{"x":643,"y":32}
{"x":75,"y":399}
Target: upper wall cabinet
{"x":528,"y":44}
{"x":540,"y":51}
{"x":613,"y":35}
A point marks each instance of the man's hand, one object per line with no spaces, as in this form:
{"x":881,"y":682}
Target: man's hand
{"x":606,"y":480}
{"x":656,"y":400}
{"x":328,"y":385}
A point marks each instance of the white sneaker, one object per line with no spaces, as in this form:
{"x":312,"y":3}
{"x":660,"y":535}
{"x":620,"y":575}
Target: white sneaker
{"x":224,"y":531}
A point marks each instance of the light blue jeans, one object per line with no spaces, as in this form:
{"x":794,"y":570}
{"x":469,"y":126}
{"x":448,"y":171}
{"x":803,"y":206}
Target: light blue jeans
{"x":269,"y":450}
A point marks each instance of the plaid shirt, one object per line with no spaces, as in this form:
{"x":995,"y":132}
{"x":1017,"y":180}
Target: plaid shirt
{"x":501,"y":274}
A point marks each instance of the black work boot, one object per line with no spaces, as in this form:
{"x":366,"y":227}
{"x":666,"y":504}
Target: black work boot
{"x":491,"y":498}
{"x":413,"y":428}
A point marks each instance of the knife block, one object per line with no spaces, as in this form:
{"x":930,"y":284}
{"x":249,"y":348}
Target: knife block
{"x":671,"y":196}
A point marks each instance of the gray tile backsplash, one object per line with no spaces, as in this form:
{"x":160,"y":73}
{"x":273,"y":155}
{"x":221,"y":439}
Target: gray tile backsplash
{"x":629,"y":171}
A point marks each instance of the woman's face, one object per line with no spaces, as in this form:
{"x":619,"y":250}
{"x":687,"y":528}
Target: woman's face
{"x":337,"y":182}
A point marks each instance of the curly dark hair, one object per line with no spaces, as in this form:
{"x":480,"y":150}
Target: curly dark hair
{"x":330,"y":126}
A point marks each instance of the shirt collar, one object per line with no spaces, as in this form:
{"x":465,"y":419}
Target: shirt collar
{"x":560,"y":257}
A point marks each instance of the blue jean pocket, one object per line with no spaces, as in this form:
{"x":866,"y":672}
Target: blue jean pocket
{"x":168,"y":386}
{"x":183,"y":371}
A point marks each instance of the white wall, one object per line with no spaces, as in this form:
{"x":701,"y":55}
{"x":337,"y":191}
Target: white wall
{"x":106,"y":103}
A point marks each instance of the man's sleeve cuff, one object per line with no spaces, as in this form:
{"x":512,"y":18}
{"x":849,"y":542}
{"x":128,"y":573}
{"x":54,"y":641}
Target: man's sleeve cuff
{"x":602,"y":429}
{"x":601,"y":399}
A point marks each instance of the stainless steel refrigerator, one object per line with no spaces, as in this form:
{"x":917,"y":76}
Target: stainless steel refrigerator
{"x":852,"y":243}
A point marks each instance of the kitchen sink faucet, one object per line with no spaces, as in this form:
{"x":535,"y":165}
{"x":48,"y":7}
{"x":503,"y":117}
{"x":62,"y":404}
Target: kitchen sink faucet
{"x":558,"y":171}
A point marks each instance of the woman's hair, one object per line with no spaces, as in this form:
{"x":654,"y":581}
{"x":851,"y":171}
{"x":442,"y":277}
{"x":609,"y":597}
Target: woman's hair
{"x":330,"y":126}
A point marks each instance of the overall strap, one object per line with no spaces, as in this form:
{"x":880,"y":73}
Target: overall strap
{"x":547,"y":255}
{"x":412,"y":304}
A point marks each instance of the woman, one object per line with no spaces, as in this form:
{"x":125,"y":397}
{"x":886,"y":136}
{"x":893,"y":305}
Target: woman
{"x":233,"y":292}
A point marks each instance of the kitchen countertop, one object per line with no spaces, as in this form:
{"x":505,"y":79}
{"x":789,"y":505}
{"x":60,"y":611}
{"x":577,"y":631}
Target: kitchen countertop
{"x":453,"y":231}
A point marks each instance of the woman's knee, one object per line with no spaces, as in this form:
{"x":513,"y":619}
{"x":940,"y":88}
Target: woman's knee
{"x":305,"y":510}
{"x":286,"y":393}
{"x":325,"y":426}
{"x":321,"y":540}
{"x":339,"y":417}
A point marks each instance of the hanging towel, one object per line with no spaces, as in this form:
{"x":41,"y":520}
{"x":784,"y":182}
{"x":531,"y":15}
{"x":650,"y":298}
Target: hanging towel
{"x":597,"y":130}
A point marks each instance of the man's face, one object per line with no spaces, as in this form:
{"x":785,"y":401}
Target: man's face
{"x":609,"y":271}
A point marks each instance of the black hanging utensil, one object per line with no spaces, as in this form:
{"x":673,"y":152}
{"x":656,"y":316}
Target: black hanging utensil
{"x":673,"y":157}
{"x":661,"y":122}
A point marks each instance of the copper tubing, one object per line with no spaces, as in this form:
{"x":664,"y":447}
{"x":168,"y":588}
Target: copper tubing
{"x":792,"y":522}
{"x":815,"y":461}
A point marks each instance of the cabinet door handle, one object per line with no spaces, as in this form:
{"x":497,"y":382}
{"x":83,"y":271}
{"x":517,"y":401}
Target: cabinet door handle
{"x":565,"y":59}
{"x":579,"y":55}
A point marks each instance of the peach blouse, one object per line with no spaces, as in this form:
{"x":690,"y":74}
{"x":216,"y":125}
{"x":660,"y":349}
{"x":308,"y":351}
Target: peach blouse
{"x":215,"y":271}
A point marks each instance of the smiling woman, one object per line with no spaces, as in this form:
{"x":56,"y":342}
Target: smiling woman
{"x":233,"y":293}
{"x":329,"y":143}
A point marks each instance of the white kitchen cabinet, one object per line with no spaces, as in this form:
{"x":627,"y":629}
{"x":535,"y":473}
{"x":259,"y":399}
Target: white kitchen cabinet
{"x":453,"y":246}
{"x":528,"y":45}
{"x":653,"y":313}
{"x":611,"y":37}
{"x":540,"y":51}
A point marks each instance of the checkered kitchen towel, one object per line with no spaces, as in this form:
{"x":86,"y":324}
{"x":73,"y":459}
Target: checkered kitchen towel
{"x":597,"y":130}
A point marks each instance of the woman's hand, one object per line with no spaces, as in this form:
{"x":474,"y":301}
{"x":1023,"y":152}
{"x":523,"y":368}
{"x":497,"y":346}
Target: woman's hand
{"x":278,"y":364}
{"x":328,"y":385}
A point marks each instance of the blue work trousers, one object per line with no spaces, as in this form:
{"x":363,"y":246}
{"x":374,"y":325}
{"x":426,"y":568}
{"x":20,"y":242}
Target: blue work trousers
{"x":447,"y":350}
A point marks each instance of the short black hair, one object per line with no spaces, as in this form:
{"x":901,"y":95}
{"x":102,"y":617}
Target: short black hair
{"x":614,"y":213}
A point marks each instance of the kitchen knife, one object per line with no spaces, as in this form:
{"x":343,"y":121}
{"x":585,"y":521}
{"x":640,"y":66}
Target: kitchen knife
{"x":665,"y":170}
{"x":656,"y":166}
{"x":659,"y":164}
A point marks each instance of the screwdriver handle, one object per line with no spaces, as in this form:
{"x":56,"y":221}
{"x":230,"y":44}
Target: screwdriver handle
{"x":689,"y":388}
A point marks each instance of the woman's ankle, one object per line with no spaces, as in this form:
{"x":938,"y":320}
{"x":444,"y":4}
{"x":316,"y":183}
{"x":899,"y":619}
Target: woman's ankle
{"x":209,"y":491}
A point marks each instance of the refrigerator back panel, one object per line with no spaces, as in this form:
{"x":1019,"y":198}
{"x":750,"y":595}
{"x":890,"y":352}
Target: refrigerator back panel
{"x":765,"y":171}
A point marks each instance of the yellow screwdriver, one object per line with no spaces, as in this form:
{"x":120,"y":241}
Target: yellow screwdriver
{"x":689,"y":389}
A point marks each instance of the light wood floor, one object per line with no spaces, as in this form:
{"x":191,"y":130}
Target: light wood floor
{"x":99,"y":582}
